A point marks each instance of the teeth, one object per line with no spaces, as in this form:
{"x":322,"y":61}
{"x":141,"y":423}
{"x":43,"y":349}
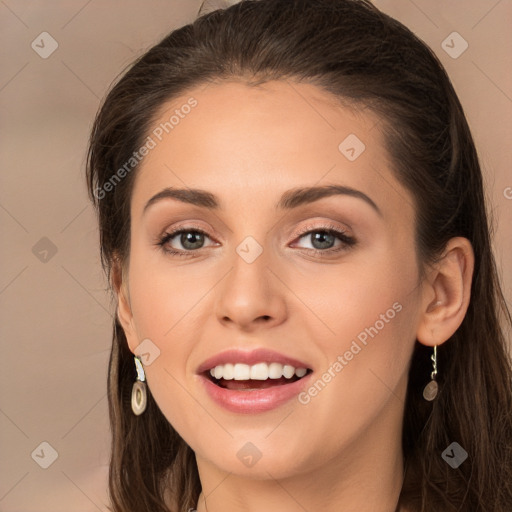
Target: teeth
{"x":288,"y":371}
{"x":300,"y":372}
{"x":259,"y":371}
{"x":275,"y":370}
{"x":242,"y":371}
{"x":218,"y":372}
{"x":229,"y":371}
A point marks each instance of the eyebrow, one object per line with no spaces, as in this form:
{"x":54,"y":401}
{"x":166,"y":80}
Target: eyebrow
{"x":290,"y":199}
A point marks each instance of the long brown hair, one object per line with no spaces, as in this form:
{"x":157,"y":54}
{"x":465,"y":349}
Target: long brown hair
{"x":369,"y":60}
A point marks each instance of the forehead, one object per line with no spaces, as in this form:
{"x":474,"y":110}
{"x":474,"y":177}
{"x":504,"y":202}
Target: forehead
{"x":235,"y":139}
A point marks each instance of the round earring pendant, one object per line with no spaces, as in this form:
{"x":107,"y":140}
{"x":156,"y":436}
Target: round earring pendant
{"x":430,"y":391}
{"x":139,"y":398}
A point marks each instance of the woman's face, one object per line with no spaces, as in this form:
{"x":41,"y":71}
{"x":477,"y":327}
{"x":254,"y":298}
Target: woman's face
{"x":324,"y":282}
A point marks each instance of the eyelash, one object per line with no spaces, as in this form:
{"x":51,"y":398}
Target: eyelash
{"x":347,"y":241}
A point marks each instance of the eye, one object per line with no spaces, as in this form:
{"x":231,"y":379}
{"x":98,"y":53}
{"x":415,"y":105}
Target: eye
{"x":323,"y":239}
{"x":191,"y":239}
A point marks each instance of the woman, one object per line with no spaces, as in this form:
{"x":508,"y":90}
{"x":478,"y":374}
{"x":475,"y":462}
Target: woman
{"x":292,"y":220}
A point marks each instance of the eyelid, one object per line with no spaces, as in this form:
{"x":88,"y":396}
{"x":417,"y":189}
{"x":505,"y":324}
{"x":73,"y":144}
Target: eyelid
{"x":184,"y":226}
{"x":170,"y":233}
{"x":341,"y":233}
{"x":322,"y":225}
{"x":311,"y":226}
{"x":346,"y":240}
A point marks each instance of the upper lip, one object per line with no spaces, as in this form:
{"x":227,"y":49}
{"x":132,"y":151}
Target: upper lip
{"x":250,"y":357}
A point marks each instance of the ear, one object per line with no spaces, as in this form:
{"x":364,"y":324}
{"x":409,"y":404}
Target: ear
{"x":124,"y":310}
{"x":446,"y":293}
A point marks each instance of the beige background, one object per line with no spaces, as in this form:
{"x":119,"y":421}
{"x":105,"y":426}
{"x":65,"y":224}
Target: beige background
{"x":55,"y":314}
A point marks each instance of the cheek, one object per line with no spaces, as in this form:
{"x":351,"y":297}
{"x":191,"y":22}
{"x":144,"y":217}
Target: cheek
{"x":365,"y":373}
{"x":168,"y":304}
{"x":370,"y":309}
{"x":166,"y":310}
{"x":372,"y":296}
{"x":166,"y":296}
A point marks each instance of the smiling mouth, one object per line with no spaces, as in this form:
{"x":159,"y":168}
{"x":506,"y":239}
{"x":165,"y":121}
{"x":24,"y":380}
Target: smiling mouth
{"x":242,"y":377}
{"x":252,"y":385}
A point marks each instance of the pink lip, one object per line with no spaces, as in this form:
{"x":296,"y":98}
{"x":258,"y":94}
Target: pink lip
{"x":256,"y":401}
{"x":259,"y":355}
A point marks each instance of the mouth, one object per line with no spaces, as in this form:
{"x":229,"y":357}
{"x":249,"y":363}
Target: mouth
{"x":253,"y":381}
{"x":263,"y":375}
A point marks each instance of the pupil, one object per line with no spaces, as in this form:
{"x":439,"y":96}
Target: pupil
{"x":189,"y":237}
{"x":320,"y":236}
{"x":195,"y":239}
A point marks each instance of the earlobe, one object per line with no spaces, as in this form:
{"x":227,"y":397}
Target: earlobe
{"x":124,"y":310}
{"x":446,"y":293}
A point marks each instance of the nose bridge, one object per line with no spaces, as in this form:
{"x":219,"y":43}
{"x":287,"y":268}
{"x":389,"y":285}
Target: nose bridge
{"x":250,"y":291}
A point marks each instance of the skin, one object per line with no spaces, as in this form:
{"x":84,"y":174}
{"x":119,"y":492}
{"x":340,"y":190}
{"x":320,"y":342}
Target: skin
{"x":248,"y":145}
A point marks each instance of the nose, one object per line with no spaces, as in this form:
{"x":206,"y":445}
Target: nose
{"x":252,"y":295}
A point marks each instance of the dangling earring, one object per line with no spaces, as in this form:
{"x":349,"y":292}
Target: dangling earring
{"x":430,"y":390}
{"x":139,"y":395}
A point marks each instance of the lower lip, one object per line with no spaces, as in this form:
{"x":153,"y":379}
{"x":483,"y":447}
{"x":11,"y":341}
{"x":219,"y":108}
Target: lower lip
{"x":255,"y":401}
